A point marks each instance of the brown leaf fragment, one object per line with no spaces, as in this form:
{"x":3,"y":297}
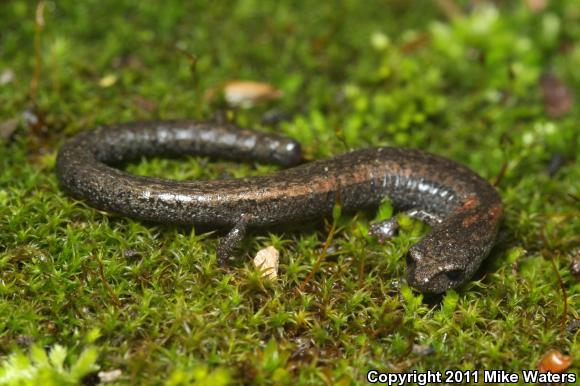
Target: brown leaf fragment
{"x":554,"y":362}
{"x":557,"y":97}
{"x":242,"y":93}
{"x":536,"y":5}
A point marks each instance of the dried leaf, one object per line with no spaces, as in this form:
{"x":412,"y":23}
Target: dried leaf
{"x":558,"y":100}
{"x":246,"y":94}
{"x":267,"y":261}
{"x":536,"y":5}
{"x":555,"y":362}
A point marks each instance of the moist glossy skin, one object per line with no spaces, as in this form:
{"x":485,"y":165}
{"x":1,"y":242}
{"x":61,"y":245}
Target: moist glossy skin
{"x":470,"y":208}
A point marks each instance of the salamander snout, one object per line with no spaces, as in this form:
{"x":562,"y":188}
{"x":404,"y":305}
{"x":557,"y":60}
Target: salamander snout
{"x":429,"y":275}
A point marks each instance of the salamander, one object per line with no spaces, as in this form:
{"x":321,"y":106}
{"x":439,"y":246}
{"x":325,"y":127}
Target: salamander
{"x":464,"y":209}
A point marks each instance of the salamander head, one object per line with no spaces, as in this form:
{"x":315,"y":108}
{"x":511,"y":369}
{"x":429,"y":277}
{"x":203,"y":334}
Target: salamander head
{"x":450,"y":255}
{"x":433,"y":275}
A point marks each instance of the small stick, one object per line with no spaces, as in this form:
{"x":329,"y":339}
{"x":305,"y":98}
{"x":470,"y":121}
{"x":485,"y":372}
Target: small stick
{"x":39,"y":26}
{"x":500,"y":175}
{"x":106,"y":283}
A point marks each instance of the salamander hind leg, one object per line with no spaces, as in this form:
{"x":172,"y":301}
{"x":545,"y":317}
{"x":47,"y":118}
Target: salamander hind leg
{"x":230,"y":242}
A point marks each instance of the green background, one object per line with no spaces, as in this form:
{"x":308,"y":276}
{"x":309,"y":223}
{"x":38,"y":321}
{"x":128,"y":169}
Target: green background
{"x":102,"y":291}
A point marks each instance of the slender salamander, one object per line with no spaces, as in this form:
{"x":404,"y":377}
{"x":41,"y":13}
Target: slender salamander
{"x":463,"y":208}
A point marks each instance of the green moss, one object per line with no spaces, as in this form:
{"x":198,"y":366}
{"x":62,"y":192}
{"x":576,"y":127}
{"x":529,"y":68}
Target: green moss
{"x":51,"y":369}
{"x":152,"y":298}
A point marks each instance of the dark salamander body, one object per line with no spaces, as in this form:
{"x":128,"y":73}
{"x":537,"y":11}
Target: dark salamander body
{"x":467,"y":207}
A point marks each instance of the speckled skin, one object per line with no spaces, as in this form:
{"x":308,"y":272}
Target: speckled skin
{"x":468,"y":205}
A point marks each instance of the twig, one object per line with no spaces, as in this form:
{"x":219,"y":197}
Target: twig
{"x":193,"y":60}
{"x":564,"y":294}
{"x":361,"y":271}
{"x":504,"y":142}
{"x":500,"y":175}
{"x":546,"y":252}
{"x":320,"y":259}
{"x":325,"y":247}
{"x":105,"y":282}
{"x":39,"y":26}
{"x":414,"y":44}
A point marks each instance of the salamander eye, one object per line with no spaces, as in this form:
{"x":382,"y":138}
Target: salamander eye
{"x":454,"y":274}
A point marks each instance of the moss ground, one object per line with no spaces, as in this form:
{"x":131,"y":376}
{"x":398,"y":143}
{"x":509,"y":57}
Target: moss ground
{"x":150,"y":300}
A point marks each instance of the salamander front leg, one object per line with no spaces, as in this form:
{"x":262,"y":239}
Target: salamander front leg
{"x":230,"y":242}
{"x":386,"y":229}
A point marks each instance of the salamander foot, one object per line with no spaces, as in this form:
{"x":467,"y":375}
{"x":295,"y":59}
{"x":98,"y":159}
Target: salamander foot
{"x":384,"y":230}
{"x":230,"y":242}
